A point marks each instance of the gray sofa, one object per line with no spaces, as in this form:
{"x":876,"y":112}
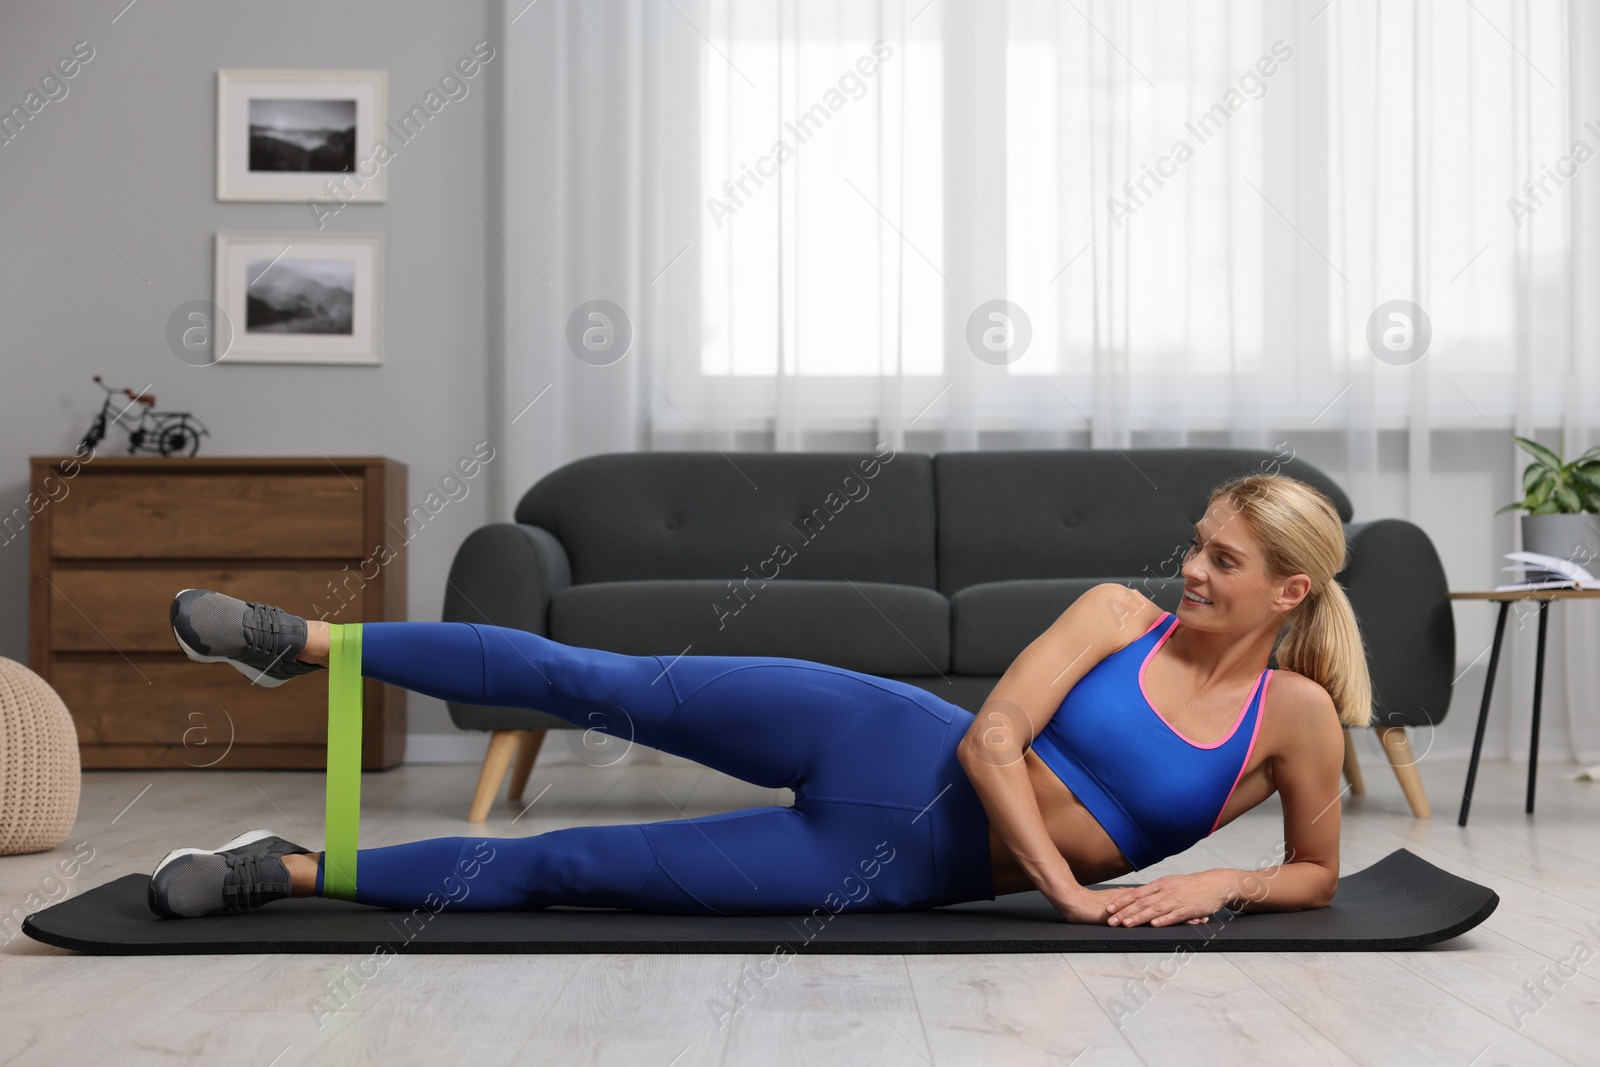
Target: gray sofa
{"x":935,"y":570}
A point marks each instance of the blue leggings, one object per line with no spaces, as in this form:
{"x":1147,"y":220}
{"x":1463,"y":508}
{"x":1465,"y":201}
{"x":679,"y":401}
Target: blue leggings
{"x":884,"y":817}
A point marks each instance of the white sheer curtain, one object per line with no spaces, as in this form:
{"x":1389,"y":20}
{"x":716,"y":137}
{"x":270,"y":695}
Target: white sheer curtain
{"x":805,"y":210}
{"x":822,"y":278}
{"x":1448,"y":125}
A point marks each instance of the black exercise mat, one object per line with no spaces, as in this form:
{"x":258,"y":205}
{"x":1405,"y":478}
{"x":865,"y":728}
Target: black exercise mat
{"x":1400,"y":902}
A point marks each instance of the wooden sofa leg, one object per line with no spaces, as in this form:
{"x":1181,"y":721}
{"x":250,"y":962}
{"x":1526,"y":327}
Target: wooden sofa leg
{"x":1397,"y":746}
{"x":1352,"y":768}
{"x":527,"y":752}
{"x":502,"y":746}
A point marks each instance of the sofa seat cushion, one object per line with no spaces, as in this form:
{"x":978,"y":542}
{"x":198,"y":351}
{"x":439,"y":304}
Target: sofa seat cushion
{"x":874,"y":627}
{"x":992,"y":622}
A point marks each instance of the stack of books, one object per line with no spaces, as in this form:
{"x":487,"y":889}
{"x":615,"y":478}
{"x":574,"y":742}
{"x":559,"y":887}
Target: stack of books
{"x":1548,"y":572}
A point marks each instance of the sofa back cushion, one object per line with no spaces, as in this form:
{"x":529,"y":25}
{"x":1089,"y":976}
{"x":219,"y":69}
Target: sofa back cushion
{"x":1085,"y":513}
{"x":901,"y":630}
{"x":625,"y":516}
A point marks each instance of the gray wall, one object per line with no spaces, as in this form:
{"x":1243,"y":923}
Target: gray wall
{"x":131,"y":148}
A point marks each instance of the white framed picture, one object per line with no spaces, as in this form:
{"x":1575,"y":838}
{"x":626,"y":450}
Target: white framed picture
{"x":299,"y":297}
{"x":300,"y":134}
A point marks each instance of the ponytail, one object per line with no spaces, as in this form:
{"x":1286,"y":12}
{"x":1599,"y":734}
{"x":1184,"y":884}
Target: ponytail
{"x":1324,"y":644}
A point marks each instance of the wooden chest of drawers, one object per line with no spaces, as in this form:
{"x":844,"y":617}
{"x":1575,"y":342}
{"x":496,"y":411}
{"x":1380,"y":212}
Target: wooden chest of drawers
{"x":114,"y":538}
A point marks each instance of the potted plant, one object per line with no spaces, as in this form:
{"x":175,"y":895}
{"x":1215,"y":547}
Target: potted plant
{"x":1561,"y":500}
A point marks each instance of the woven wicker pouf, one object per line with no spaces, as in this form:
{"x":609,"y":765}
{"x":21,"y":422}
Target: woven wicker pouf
{"x":39,"y":774}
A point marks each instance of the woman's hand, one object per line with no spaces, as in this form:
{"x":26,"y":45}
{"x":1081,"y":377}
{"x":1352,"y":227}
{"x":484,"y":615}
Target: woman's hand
{"x":1173,"y":898}
{"x":1079,"y":904}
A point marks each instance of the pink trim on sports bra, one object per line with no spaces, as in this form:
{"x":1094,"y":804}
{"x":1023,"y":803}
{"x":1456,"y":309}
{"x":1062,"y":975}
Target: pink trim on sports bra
{"x":1159,"y":619}
{"x":1146,"y":693}
{"x":1260,"y":714}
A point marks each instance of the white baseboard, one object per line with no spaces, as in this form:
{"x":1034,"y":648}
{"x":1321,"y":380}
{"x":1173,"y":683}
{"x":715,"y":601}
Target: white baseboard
{"x":560,"y":746}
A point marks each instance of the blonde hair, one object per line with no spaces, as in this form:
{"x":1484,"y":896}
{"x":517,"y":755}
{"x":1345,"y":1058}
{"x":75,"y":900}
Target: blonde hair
{"x":1300,"y":532}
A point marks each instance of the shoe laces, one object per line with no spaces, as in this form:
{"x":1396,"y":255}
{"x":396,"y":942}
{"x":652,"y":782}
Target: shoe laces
{"x":263,"y":626}
{"x":244,"y":886}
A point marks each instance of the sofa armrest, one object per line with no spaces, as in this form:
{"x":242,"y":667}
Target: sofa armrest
{"x":1401,"y":596}
{"x":504,"y":574}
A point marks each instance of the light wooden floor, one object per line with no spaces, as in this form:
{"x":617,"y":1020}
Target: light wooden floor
{"x":1452,"y":1004}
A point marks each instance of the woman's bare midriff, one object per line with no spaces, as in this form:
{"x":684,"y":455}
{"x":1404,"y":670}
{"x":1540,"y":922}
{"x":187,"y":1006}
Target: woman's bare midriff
{"x":1082,"y":841}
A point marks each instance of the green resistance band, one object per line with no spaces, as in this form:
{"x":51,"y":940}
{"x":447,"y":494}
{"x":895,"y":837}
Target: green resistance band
{"x":344,"y":761}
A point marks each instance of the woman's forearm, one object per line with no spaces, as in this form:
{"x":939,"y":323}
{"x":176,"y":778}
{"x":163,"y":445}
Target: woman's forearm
{"x":1194,"y":897}
{"x":1286,"y":887}
{"x":1008,"y":798}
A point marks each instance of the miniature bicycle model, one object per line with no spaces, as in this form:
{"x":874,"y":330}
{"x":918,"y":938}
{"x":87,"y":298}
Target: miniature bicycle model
{"x":169,"y":433}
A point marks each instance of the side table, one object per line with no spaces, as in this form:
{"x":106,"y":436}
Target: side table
{"x":1544,"y":596}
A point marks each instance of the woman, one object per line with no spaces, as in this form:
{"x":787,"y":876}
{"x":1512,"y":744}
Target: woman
{"x":1093,"y":756}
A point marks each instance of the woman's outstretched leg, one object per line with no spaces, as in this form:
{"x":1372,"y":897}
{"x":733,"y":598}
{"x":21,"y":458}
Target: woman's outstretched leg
{"x":596,"y":866}
{"x":767,"y":860}
{"x":772,"y":721}
{"x":592,"y":866}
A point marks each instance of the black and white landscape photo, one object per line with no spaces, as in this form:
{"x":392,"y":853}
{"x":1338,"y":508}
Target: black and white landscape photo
{"x":302,"y":135}
{"x":300,"y":296}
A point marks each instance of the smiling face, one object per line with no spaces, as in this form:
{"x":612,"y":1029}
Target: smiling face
{"x":1225,"y":564}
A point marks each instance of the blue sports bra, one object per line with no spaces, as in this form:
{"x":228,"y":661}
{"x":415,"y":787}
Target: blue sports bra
{"x":1153,"y":790}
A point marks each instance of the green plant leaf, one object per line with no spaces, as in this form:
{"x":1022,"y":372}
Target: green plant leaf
{"x":1518,"y":439}
{"x":1540,"y":453}
{"x":1534,"y":476}
{"x":1586,"y":476}
{"x":1540,"y":496}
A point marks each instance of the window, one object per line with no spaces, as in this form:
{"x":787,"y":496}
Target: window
{"x":814,"y":151}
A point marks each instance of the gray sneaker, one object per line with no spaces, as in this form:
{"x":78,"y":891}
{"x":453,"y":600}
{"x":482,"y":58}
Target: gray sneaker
{"x":244,"y":873}
{"x":259,"y":640}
